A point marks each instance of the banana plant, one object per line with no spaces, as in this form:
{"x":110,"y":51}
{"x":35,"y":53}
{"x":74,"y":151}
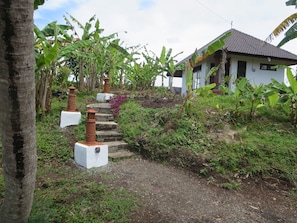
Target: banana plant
{"x":82,"y":54}
{"x":103,"y":57}
{"x":47,"y":46}
{"x":53,"y":45}
{"x":245,"y":93}
{"x":166,"y":60}
{"x":205,"y":91}
{"x":142,"y":75}
{"x":285,"y":94}
{"x":191,"y":63}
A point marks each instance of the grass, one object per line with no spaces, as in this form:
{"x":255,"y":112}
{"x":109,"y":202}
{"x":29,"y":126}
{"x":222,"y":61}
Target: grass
{"x":64,"y":192}
{"x":211,"y":140}
{"x":212,"y":135}
{"x":69,"y":195}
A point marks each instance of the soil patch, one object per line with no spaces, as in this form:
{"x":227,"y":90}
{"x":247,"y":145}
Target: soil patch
{"x":169,"y":194}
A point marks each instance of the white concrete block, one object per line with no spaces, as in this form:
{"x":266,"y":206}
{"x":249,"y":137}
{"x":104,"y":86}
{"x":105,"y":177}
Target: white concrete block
{"x":90,"y":156}
{"x":103,"y":97}
{"x":69,"y":118}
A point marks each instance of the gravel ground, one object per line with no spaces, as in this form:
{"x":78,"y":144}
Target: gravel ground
{"x":169,"y":194}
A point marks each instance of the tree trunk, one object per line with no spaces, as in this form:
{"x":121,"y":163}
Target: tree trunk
{"x":171,"y":83}
{"x":81,"y":75}
{"x":121,"y":79}
{"x":43,"y":91}
{"x":17,"y":110}
{"x":48,"y":96}
{"x":222,"y":70}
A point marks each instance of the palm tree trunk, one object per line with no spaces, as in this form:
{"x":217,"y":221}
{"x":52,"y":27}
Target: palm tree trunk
{"x":17,"y":119}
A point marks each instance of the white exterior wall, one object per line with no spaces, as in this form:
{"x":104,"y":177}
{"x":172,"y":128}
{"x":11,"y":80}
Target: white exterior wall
{"x":253,"y":72}
{"x":233,"y":73}
{"x":184,"y":85}
{"x":204,"y":71}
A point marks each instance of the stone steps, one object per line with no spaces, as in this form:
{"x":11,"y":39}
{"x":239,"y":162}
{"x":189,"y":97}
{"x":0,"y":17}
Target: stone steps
{"x":108,"y":133}
{"x":114,"y":146}
{"x":108,"y":136}
{"x":120,"y":154}
{"x":111,"y":125}
{"x":101,"y":108}
{"x":103,"y":117}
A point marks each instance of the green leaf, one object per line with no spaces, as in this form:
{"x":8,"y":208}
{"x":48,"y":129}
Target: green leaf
{"x":71,"y":48}
{"x":48,"y":57}
{"x":226,"y":90}
{"x":292,"y":81}
{"x":215,"y":46}
{"x":291,"y":2}
{"x":119,"y":48}
{"x":38,"y":3}
{"x":162,"y":57}
{"x":273,"y":99}
{"x":205,"y":91}
{"x":241,"y":84}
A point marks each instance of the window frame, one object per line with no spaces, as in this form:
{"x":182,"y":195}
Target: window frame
{"x":265,"y":66}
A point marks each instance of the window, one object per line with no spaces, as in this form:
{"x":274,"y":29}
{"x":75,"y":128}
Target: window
{"x":211,"y":78}
{"x":241,"y":69}
{"x":196,"y":77}
{"x":264,"y":66}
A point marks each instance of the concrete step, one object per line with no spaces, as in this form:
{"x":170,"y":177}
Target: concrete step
{"x":101,"y":108}
{"x":106,"y":126}
{"x":114,"y":146}
{"x":103,"y":117}
{"x":107,"y":136}
{"x":120,"y":154}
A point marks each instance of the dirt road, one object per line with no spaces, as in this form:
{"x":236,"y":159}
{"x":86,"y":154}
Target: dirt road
{"x":172,"y":195}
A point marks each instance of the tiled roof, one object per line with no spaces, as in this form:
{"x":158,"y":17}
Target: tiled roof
{"x":241,"y":43}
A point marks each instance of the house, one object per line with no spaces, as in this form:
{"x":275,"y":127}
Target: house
{"x":246,"y":56}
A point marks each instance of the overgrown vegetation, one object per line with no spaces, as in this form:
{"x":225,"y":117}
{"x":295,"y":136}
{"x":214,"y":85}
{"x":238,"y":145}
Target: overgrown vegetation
{"x":64,"y":192}
{"x":210,"y":139}
{"x":216,"y":138}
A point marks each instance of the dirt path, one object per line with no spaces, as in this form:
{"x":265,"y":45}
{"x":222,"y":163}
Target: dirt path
{"x":173,"y":195}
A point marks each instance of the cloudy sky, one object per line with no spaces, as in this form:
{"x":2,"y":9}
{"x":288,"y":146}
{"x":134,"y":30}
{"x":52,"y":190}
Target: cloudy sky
{"x":182,"y":25}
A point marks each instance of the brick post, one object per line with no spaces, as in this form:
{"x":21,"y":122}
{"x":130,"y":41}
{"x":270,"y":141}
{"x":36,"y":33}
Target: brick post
{"x":71,"y":99}
{"x":91,"y":127}
{"x":106,"y":85}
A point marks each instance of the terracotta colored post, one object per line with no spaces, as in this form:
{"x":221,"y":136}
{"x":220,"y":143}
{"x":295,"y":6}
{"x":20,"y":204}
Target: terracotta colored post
{"x":71,"y":99}
{"x":91,"y":127}
{"x":106,"y":85}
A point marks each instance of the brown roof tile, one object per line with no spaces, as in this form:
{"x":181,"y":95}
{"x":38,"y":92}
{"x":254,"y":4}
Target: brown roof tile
{"x":242,"y":43}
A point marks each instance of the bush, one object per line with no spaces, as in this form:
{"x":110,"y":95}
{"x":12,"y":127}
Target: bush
{"x":116,"y":102}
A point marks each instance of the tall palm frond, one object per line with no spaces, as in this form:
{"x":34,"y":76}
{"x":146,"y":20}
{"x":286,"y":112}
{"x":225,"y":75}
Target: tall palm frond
{"x":289,"y":35}
{"x":282,"y":27}
{"x":291,"y":2}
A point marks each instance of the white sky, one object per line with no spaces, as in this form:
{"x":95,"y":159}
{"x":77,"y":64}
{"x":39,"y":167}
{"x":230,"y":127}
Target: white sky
{"x":182,"y":25}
